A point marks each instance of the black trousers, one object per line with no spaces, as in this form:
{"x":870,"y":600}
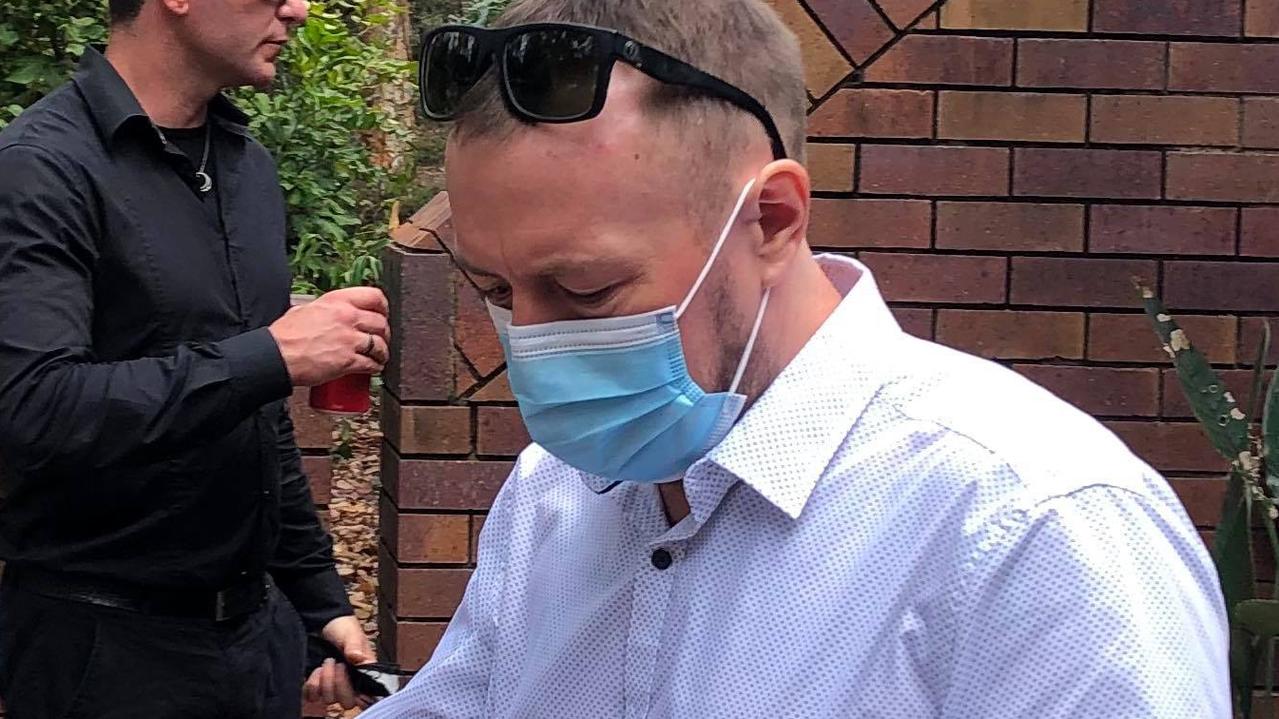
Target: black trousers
{"x":61,"y":659}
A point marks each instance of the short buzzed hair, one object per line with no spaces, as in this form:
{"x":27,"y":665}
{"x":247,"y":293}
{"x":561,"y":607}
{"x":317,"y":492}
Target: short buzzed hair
{"x":123,"y":11}
{"x":742,"y":42}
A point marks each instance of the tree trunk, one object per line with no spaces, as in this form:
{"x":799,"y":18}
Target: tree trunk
{"x":396,"y":99}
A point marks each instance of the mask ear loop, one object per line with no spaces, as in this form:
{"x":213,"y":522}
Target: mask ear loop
{"x":750,"y":344}
{"x":719,"y":245}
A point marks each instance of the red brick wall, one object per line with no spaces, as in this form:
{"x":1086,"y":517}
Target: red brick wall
{"x":1006,"y":168}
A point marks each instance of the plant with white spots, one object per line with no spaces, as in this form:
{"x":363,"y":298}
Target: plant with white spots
{"x":1247,"y":436}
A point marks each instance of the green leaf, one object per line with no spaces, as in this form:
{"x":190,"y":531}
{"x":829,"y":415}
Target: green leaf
{"x":26,"y":73}
{"x":1258,"y":616}
{"x":1232,"y":544}
{"x":1243,"y":669}
{"x":1216,"y":409}
{"x":1259,"y":374}
{"x":1270,"y":435}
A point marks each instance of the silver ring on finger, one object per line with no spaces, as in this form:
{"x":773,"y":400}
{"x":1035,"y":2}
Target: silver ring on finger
{"x":369,"y":347}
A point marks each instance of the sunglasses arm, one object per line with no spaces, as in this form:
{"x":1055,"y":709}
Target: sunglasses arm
{"x":673,"y":71}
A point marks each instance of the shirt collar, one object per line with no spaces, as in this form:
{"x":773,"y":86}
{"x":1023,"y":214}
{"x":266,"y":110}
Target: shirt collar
{"x":113,"y":105}
{"x":808,"y":409}
{"x":783,"y":444}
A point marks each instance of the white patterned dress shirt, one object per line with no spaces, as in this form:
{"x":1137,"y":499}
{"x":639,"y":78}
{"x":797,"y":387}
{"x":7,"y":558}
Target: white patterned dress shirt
{"x":895,"y":529}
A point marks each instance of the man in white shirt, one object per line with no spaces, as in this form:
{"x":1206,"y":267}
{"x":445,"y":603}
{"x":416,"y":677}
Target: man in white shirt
{"x":847,"y":521}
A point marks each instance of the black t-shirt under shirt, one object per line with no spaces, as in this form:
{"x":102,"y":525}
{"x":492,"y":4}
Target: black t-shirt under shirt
{"x":191,"y":141}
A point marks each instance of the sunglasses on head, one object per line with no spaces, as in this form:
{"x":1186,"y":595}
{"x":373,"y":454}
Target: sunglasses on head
{"x":555,"y":72}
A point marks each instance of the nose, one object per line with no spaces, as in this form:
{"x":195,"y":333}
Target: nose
{"x":293,"y":12}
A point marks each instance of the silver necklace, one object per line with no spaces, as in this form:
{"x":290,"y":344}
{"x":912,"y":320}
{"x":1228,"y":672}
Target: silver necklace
{"x":206,"y":182}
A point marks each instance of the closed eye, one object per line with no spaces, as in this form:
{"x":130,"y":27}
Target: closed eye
{"x":591,"y":298}
{"x":499,"y":295}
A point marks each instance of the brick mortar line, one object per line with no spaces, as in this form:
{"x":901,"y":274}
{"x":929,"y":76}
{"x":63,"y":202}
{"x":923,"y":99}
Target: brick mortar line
{"x":1057,"y":90}
{"x":421,"y":511}
{"x":1068,"y":363}
{"x":1088,"y":118}
{"x":1241,"y":124}
{"x":1078,"y":309}
{"x":1242,"y":261}
{"x":1031,"y":34}
{"x":835,"y":43}
{"x":1049,"y":200}
{"x":1039,"y":199}
{"x":1015,"y":63}
{"x":1163,"y":175}
{"x":432,"y":565}
{"x":446,"y":456}
{"x":1239,"y":231}
{"x":1013,"y":144}
{"x":420,"y":620}
{"x":855,"y":78}
{"x":874,"y":5}
{"x":1052,"y":309}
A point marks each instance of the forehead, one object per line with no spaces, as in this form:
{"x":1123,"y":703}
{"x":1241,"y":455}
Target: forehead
{"x":568,"y":189}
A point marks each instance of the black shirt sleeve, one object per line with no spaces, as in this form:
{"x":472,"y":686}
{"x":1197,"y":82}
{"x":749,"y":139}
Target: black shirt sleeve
{"x":60,"y":407}
{"x":302,"y":566}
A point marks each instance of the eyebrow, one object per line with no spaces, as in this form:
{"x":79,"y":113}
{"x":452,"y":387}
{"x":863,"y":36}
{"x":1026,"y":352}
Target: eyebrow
{"x":551,"y":268}
{"x":560,"y":266}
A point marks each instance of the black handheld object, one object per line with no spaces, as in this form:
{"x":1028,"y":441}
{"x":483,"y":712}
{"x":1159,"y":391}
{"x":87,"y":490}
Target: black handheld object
{"x":318,"y":649}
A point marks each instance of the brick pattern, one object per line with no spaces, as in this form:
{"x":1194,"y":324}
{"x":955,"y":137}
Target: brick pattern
{"x":1007,"y":168}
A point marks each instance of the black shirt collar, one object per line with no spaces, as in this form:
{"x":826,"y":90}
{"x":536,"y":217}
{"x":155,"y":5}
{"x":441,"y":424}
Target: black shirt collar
{"x":113,"y":105}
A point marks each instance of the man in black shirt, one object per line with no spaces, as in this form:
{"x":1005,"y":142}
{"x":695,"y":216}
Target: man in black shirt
{"x":152,"y":502}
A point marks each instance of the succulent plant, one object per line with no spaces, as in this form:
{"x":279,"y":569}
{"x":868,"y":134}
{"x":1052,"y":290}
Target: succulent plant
{"x":1248,"y":437}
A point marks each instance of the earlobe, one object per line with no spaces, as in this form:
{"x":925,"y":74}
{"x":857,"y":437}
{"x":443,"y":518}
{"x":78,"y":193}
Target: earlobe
{"x":177,"y":7}
{"x":784,"y":209}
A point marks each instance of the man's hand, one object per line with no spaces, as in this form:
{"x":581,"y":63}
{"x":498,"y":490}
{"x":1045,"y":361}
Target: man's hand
{"x":343,"y":332}
{"x":330,"y":684}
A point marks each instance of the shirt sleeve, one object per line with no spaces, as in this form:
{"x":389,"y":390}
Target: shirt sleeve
{"x":302,"y":565}
{"x":61,"y":408}
{"x":455,"y":682}
{"x":1102,"y":603}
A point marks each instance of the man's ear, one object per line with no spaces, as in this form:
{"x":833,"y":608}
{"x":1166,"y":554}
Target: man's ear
{"x":177,"y":7}
{"x":784,"y":204}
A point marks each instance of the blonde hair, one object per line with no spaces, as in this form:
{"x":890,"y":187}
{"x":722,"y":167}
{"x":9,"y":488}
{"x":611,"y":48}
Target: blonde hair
{"x":742,"y":42}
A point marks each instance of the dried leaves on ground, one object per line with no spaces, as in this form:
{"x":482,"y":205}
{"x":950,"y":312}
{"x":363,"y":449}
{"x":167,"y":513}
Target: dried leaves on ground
{"x":353,"y":520}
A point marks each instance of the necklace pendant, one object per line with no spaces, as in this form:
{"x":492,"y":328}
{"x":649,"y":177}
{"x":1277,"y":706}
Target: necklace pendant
{"x":206,"y":182}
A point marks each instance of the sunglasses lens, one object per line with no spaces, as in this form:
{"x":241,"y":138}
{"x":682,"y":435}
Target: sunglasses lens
{"x":452,"y":67}
{"x":552,"y":74}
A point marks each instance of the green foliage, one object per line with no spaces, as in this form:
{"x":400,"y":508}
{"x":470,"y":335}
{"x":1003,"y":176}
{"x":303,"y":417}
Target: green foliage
{"x":481,"y":12}
{"x":40,"y":43}
{"x":317,"y":121}
{"x":1251,"y":444}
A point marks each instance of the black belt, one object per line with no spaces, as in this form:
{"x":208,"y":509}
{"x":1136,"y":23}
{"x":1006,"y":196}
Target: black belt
{"x":239,"y":600}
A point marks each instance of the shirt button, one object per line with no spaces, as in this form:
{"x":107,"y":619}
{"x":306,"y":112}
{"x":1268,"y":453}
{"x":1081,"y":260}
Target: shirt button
{"x":662,"y":559}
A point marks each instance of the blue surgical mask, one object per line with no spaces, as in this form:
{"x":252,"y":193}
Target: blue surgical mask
{"x":613,"y":396}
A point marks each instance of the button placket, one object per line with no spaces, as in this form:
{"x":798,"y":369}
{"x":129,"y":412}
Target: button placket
{"x":650,"y":598}
{"x":653,"y":587}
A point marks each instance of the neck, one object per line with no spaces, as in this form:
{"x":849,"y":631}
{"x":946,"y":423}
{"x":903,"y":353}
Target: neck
{"x":161,"y":76}
{"x":800,"y":303}
{"x":798,"y":307}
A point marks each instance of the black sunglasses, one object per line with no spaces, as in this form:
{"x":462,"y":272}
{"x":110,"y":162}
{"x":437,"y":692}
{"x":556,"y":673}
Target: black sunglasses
{"x":555,"y":72}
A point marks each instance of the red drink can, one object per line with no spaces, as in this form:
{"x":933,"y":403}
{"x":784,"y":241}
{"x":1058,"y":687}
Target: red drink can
{"x":346,"y":396}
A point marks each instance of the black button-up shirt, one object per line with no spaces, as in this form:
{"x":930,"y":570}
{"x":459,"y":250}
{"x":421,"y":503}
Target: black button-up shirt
{"x":144,"y":435}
